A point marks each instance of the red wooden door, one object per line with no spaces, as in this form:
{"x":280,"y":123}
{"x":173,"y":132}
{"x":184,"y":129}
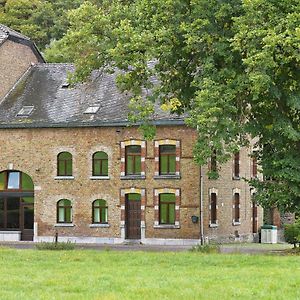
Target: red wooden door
{"x":133,"y":218}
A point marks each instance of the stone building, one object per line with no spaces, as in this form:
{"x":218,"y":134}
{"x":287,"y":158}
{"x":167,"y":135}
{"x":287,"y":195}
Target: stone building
{"x":70,"y":165}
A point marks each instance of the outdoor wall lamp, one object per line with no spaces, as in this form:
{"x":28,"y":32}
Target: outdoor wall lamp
{"x":195,"y":219}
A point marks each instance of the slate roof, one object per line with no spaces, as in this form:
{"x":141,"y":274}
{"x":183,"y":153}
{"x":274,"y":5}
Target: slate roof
{"x":8,"y":33}
{"x":55,"y":106}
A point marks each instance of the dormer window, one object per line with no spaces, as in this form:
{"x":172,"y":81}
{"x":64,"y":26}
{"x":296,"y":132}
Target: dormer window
{"x":65,"y":85}
{"x":25,"y":111}
{"x":93,"y":109}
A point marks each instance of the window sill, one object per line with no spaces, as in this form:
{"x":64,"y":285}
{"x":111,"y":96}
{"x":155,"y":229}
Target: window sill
{"x":99,"y":225}
{"x":213,"y":225}
{"x":236,"y":223}
{"x":64,"y":177}
{"x":167,"y":226}
{"x":236,"y":178}
{"x":167,"y":177}
{"x":64,"y":225}
{"x":133,"y":177}
{"x":99,"y":177}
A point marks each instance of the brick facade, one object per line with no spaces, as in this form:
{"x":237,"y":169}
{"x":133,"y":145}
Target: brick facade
{"x":34,"y":151}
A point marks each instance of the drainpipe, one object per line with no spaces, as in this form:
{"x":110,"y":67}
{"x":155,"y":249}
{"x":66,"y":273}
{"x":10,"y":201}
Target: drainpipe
{"x":201,"y":208}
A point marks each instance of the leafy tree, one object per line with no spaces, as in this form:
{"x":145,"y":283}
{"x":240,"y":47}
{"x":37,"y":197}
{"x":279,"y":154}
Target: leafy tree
{"x":232,"y":65}
{"x":292,"y":233}
{"x":40,"y":20}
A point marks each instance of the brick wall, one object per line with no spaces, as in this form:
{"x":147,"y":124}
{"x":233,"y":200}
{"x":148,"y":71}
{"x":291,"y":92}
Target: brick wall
{"x":15,"y":59}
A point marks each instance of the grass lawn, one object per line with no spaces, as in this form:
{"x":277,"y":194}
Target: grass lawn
{"x":88,"y":274}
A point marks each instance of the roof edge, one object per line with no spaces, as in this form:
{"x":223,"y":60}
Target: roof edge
{"x":121,"y":123}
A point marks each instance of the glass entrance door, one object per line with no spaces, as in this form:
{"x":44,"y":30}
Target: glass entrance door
{"x":27,"y":215}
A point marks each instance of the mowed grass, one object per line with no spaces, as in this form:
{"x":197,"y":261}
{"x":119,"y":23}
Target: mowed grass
{"x":88,"y":274}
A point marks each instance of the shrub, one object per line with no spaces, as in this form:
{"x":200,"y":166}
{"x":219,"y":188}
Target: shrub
{"x":55,"y":246}
{"x":292,"y":233}
{"x":207,"y":248}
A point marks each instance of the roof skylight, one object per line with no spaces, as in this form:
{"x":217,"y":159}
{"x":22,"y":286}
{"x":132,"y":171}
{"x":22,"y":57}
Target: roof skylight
{"x":92,"y":109}
{"x":25,"y":111}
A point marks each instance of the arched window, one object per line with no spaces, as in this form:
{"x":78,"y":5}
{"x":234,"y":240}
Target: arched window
{"x":64,"y":211}
{"x":64,"y":164}
{"x":99,"y":211}
{"x":100,"y":164}
{"x":15,"y":180}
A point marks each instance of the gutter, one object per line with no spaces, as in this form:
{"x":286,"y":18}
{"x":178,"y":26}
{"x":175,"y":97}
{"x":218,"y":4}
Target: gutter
{"x":201,"y":208}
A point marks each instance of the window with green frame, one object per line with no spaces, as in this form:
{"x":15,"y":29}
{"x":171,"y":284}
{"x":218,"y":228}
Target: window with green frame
{"x":167,"y":208}
{"x":167,"y":160}
{"x":64,"y":211}
{"x":100,"y":164}
{"x":133,"y":160}
{"x":64,"y":164}
{"x":100,"y":211}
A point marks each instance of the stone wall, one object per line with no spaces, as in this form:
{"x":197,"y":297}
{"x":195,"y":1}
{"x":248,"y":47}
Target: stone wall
{"x":15,"y":59}
{"x":34,"y":151}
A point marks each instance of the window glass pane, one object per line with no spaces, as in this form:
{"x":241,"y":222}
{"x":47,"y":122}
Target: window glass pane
{"x":172,"y":213}
{"x":65,"y":155}
{"x":167,"y":149}
{"x":1,"y":212}
{"x":163,"y":213}
{"x":66,"y":202}
{"x":137,"y":165}
{"x":129,"y":165}
{"x":13,"y":215}
{"x":101,"y":202}
{"x":172,"y":164}
{"x":100,"y":155}
{"x":28,"y":200}
{"x":2,"y":180}
{"x":13,"y":180}
{"x":104,"y":215}
{"x":163,"y":162}
{"x":68,"y":215}
{"x":61,"y":168}
{"x":61,"y":215}
{"x":96,"y":171}
{"x":134,"y":197}
{"x":27,"y":183}
{"x":96,"y":215}
{"x":167,"y":197}
{"x":104,"y":167}
{"x":28,"y":217}
{"x":69,"y":168}
{"x":133,"y":149}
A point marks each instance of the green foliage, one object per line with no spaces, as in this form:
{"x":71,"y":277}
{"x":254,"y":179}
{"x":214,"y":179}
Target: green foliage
{"x":232,"y":65}
{"x":292,"y":233}
{"x":55,"y":246}
{"x":41,"y":20}
{"x":207,"y":248}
